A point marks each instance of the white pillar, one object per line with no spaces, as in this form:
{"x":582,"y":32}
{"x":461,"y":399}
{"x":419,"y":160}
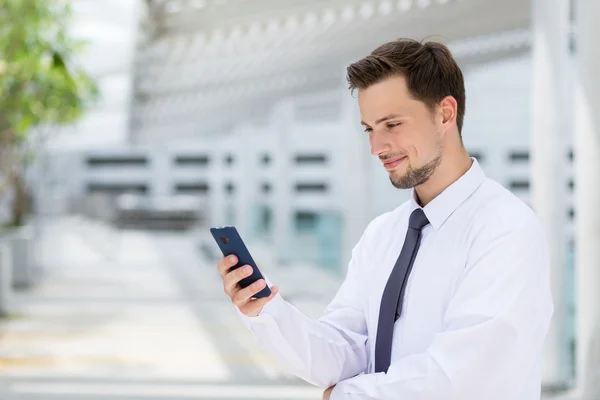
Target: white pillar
{"x":587,"y":191}
{"x":6,"y":278}
{"x":548,"y":159}
{"x":216,"y":192}
{"x":160,"y":174}
{"x":281,"y":119}
{"x":245,"y":181}
{"x":355,"y":173}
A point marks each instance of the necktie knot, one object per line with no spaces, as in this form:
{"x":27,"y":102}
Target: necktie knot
{"x":418,"y":219}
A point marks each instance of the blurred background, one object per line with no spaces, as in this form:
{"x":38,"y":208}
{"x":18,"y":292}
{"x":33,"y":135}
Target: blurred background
{"x":129,"y":127}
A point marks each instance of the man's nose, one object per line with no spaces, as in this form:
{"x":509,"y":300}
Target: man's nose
{"x":379,"y":144}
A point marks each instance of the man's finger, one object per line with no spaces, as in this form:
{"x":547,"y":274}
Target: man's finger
{"x":245,"y":294}
{"x":231,"y":280}
{"x":253,"y":306}
{"x":225,"y":263}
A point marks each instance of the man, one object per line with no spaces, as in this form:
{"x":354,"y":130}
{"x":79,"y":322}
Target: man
{"x":447,"y":296}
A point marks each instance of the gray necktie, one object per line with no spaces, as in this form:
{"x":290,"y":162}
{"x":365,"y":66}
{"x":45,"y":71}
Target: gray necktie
{"x":391,"y":301}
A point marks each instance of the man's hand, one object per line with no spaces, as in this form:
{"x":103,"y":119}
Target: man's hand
{"x":242,"y":298}
{"x":327,"y":392}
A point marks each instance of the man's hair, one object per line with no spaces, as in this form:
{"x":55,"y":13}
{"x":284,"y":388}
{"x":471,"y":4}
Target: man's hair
{"x":429,"y":68}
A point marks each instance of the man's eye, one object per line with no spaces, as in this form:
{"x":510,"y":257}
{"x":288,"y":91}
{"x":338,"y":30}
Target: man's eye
{"x":368,"y":130}
{"x":390,"y":126}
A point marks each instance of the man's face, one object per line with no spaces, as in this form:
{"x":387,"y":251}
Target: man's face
{"x":402,"y":132}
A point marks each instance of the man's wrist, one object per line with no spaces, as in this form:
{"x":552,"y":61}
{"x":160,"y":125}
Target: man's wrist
{"x":337,"y":392}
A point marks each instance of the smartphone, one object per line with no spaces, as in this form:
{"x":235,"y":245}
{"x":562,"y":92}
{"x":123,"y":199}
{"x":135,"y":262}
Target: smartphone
{"x":230,"y":242}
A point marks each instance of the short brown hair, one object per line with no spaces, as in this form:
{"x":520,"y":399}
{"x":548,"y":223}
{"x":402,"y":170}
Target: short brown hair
{"x":429,"y":68}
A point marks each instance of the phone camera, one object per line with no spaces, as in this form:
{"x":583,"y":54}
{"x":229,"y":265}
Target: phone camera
{"x":224,"y":240}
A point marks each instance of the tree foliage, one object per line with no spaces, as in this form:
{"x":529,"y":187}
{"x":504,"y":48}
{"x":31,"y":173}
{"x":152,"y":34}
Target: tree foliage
{"x":40,"y":82}
{"x":41,"y":85}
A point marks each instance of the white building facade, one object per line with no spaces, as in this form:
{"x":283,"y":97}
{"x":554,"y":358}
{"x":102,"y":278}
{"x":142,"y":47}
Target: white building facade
{"x":244,"y":104}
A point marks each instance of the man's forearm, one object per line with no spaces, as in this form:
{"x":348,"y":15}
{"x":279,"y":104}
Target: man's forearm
{"x":322,"y":352}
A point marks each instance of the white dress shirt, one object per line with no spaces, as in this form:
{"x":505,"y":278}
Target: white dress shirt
{"x":476,"y":311}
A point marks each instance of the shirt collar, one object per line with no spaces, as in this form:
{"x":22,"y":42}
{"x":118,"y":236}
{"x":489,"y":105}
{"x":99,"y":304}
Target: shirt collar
{"x":442,"y":206}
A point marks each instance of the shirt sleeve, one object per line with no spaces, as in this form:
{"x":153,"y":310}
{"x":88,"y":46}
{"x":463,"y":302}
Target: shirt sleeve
{"x":323,"y":351}
{"x":494,"y":329}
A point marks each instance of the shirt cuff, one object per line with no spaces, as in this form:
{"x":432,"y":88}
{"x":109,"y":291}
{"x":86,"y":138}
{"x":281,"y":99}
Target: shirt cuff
{"x":338,"y":393}
{"x":269,"y":311}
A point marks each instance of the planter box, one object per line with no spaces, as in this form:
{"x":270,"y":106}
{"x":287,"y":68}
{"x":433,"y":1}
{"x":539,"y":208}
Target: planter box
{"x":6,"y":280}
{"x":22,"y":256}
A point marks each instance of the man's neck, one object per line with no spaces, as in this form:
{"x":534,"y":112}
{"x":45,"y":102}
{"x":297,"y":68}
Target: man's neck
{"x":451,"y":168}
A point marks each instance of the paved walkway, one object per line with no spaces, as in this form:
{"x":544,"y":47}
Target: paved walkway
{"x":129,"y":314}
{"x":126,"y":315}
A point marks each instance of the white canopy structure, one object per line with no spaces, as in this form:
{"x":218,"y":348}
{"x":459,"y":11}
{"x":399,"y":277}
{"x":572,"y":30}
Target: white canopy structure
{"x":202,"y":66}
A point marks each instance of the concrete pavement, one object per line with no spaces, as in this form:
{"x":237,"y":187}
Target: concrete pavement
{"x":128,"y":314}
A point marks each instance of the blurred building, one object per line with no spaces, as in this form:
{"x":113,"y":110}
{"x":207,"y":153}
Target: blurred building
{"x":244,"y":104}
{"x":256,"y":81}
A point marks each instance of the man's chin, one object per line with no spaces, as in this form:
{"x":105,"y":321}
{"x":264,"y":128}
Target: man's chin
{"x":397,"y":175}
{"x":399,"y":182}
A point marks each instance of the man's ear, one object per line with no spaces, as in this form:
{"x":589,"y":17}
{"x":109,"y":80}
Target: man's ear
{"x":449,"y":108}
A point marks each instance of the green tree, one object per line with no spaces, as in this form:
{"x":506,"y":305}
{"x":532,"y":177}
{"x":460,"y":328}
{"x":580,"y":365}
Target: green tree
{"x":40,"y":85}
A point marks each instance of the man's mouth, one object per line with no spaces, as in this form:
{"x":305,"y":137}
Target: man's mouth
{"x":393,"y":163}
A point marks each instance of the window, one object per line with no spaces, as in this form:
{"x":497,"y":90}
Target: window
{"x":266,"y":187}
{"x":476,"y":155}
{"x":311,"y":187}
{"x":519,"y":156}
{"x":266,"y":159}
{"x":311,"y":159}
{"x":519,"y":184}
{"x":305,"y":221}
{"x":229,"y":188}
{"x":117,"y":188}
{"x":99,"y":161}
{"x":266,"y":218}
{"x":229,"y":159}
{"x":199,"y":160}
{"x":191,"y":188}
